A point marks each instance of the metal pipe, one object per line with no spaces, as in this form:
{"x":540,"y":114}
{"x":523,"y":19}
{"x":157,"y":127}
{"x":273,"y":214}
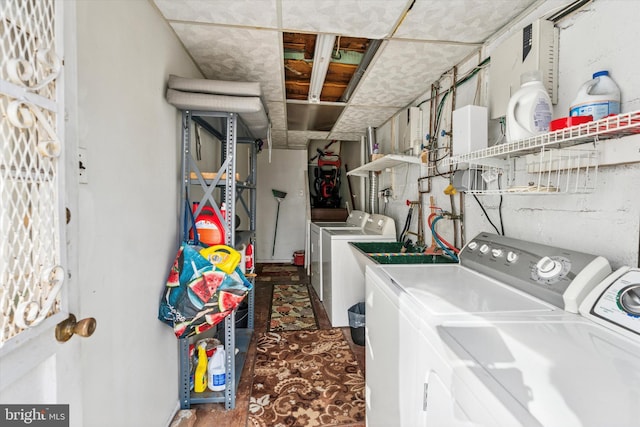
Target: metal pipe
{"x":362,"y":67}
{"x":373,"y":177}
{"x":373,"y":192}
{"x":456,"y":222}
{"x":371,"y":140}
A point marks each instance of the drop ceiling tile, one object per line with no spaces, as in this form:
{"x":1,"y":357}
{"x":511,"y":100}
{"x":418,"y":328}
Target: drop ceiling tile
{"x":236,"y":54}
{"x":278,"y":139}
{"x":373,"y":19}
{"x":297,"y":138}
{"x":403,"y":71}
{"x":357,"y":119}
{"x":248,"y":13}
{"x":312,"y":117}
{"x":346,"y":136}
{"x":277,"y":115}
{"x":471,"y":21}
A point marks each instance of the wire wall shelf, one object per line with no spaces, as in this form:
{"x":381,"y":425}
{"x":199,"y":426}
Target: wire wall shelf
{"x":551,"y":171}
{"x":544,"y":164}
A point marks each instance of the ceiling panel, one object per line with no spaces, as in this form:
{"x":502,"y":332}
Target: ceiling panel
{"x":279,"y":139}
{"x":277,"y":115}
{"x":358,"y":119}
{"x":241,"y":40}
{"x":373,"y":19}
{"x":346,"y":136}
{"x":403,"y":71}
{"x":313,"y":117}
{"x":301,"y":138}
{"x":471,"y":21}
{"x":249,"y":13}
{"x":236,"y":54}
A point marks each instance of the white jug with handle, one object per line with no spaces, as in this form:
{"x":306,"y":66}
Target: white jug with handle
{"x":598,"y":97}
{"x":529,"y":111}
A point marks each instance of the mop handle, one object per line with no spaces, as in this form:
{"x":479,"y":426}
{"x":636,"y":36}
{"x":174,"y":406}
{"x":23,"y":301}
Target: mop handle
{"x":275,"y":232}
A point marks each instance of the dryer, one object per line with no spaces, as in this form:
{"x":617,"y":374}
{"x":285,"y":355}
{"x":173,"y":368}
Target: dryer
{"x":437,"y":353}
{"x":342,"y":274}
{"x":355,"y":221}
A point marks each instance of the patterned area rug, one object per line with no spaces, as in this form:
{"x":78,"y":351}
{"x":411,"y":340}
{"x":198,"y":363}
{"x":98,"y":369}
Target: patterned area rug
{"x":279,"y":273}
{"x":291,"y":308}
{"x":306,"y":378}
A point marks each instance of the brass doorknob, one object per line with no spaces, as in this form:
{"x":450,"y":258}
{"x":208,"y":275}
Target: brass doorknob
{"x":69,"y":326}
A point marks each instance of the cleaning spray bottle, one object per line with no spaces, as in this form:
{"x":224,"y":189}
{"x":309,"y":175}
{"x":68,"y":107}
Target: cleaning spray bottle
{"x":216,"y":377}
{"x":200,"y":378}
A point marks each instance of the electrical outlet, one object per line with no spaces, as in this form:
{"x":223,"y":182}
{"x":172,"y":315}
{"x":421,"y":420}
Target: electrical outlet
{"x":83,"y":171}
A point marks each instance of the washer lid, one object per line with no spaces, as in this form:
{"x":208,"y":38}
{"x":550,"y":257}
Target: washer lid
{"x":350,"y":232}
{"x":335,"y":225}
{"x":456,"y":290}
{"x":356,"y":219}
{"x":561,"y":373}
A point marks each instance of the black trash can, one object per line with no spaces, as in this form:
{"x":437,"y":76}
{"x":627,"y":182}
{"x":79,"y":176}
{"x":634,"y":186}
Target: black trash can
{"x":356,"y":323}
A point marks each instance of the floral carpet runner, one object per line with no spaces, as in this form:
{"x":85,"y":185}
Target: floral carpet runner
{"x":306,"y":378}
{"x":291,"y":308}
{"x":280,"y":273}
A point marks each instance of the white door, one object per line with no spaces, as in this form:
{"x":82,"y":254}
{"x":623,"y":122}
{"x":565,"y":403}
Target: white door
{"x":38,"y":214}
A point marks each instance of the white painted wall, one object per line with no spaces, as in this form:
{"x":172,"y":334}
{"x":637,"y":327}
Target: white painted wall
{"x":128,"y":211}
{"x":286,"y":172}
{"x":605,"y":222}
{"x":350,"y":156}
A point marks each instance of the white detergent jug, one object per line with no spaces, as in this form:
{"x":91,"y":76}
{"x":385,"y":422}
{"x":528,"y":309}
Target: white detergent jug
{"x":598,"y":97}
{"x":216,"y":378}
{"x":529,"y":110}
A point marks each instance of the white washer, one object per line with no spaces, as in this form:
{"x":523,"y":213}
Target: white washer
{"x":342,"y":274}
{"x":615,"y":303}
{"x":418,"y":372}
{"x":355,"y":221}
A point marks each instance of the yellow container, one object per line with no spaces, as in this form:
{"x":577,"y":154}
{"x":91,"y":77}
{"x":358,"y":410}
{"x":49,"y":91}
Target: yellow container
{"x":223,"y":257}
{"x":200,"y":377}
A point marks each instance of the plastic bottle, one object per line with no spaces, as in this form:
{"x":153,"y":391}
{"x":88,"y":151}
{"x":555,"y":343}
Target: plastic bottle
{"x":598,"y":97}
{"x":529,"y":111}
{"x":210,"y":229}
{"x":216,"y":371}
{"x":200,"y":377}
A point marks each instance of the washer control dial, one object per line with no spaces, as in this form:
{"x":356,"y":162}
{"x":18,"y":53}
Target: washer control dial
{"x":548,"y":268}
{"x":472,"y":245}
{"x":630,"y":299}
{"x":484,"y":248}
{"x":551,"y":269}
{"x":497,"y":253}
{"x":512,"y":257}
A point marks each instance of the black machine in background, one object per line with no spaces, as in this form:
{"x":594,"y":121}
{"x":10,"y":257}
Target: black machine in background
{"x":327,"y":177}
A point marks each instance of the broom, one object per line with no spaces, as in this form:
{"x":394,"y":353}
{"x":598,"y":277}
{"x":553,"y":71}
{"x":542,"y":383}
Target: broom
{"x":279,"y":195}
